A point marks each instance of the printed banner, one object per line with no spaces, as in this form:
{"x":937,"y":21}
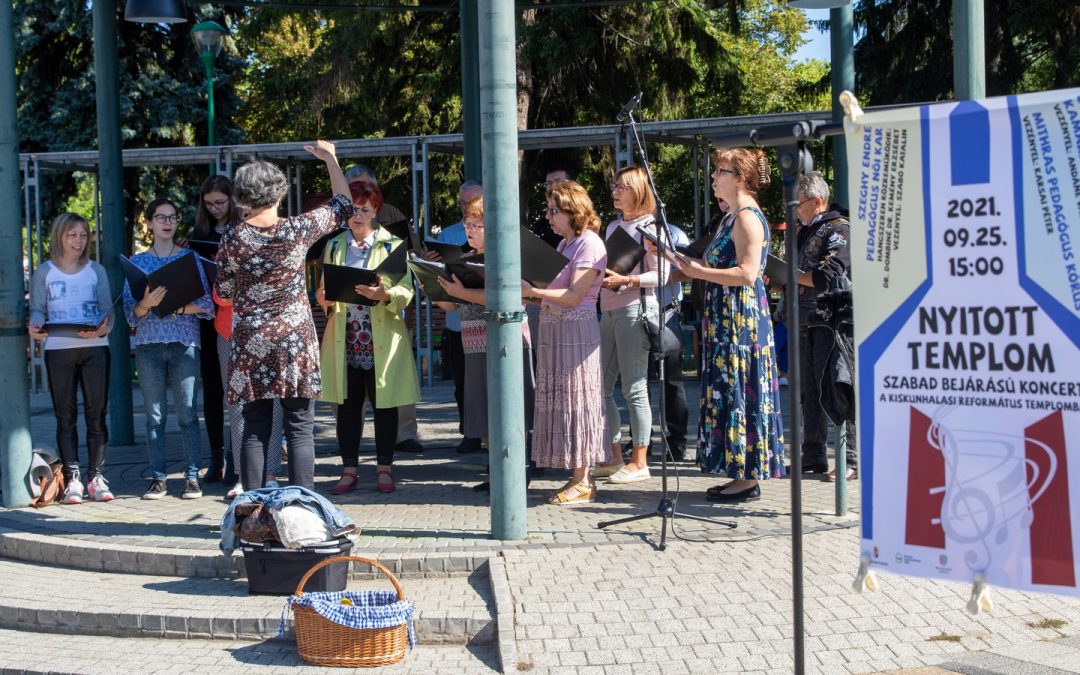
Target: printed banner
{"x":965,"y":230}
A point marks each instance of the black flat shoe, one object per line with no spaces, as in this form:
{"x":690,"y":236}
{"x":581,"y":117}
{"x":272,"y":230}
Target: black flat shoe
{"x":409,"y":445}
{"x":810,"y":468}
{"x":468,"y":445}
{"x":486,"y":485}
{"x":716,"y":489}
{"x":214,"y":473}
{"x":748,"y":495}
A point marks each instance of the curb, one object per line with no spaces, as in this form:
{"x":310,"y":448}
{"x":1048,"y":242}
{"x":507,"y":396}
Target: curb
{"x":126,"y":559}
{"x":504,"y":614}
{"x":430,"y":629}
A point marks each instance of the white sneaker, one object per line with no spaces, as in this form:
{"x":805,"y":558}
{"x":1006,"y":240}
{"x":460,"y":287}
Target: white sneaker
{"x":235,"y":491}
{"x":98,"y":489}
{"x":73,"y":493}
{"x":628,"y":475}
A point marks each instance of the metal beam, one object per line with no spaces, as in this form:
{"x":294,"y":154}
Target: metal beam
{"x":401,"y":146}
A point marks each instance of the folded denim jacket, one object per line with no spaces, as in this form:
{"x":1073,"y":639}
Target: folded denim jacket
{"x":277,"y":499}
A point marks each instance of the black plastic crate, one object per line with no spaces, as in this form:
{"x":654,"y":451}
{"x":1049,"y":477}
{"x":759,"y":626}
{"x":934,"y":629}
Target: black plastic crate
{"x":273,"y":569}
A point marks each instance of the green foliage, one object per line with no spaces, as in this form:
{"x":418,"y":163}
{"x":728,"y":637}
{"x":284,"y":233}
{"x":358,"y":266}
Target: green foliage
{"x":905,"y":53}
{"x":291,"y":75}
{"x":162,"y":97}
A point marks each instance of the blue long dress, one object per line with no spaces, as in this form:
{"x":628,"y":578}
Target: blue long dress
{"x":740,"y":433}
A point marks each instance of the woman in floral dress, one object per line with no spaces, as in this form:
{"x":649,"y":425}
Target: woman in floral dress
{"x":275,"y":350}
{"x":740,"y":431}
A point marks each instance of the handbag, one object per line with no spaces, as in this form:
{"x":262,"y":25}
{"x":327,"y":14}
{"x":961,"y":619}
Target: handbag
{"x":50,"y":487}
{"x":661,"y":340}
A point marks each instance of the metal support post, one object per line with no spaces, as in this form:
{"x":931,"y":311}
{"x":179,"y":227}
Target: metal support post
{"x":794,"y":160}
{"x":15,"y":443}
{"x":842,"y":36}
{"x":111,"y":167}
{"x":506,"y":414}
{"x":969,"y":50}
{"x":208,"y":65}
{"x":841,"y":468}
{"x":37,"y":209}
{"x":470,"y":89}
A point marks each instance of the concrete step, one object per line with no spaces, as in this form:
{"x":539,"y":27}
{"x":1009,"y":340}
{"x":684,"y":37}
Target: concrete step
{"x":96,"y":554}
{"x":450,"y":610}
{"x":39,"y":653}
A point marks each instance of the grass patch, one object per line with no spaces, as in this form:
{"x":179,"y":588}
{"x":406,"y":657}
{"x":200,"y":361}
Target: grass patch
{"x":1048,"y":623}
{"x":943,"y":637}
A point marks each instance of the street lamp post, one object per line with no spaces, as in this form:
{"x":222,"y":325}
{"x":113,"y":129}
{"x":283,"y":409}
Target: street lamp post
{"x":209,"y":36}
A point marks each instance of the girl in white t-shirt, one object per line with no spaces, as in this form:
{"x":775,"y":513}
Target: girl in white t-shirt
{"x":69,"y":295}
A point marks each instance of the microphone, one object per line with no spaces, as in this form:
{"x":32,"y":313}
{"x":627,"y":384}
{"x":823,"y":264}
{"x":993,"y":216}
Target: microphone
{"x":630,"y":106}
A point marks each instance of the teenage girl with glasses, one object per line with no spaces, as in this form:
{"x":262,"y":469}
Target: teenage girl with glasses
{"x":167,"y":353}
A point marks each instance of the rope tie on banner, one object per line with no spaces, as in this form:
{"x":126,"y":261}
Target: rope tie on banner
{"x":980,"y":596}
{"x":853,"y":112}
{"x":865,"y":579}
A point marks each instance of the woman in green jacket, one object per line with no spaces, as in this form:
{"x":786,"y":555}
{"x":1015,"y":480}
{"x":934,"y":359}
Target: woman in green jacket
{"x":366,"y":353}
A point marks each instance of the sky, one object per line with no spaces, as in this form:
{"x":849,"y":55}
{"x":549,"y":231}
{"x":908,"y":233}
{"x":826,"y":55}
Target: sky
{"x":817,"y":46}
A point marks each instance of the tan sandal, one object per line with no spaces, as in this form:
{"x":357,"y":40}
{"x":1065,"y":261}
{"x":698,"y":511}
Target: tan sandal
{"x":580,"y":493}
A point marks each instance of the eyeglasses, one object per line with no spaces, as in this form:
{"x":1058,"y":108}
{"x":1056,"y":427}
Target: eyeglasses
{"x":163,"y":219}
{"x":474,"y":226}
{"x":553,"y":210}
{"x":804,"y":202}
{"x":619,"y":187}
{"x":219,"y":204}
{"x":733,"y":172}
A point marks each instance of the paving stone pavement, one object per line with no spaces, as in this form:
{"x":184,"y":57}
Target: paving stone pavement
{"x":570,"y":598}
{"x":432,"y":510}
{"x":726,"y":607}
{"x":34,"y":653}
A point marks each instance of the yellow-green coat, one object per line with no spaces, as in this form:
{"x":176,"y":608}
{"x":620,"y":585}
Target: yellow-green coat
{"x":396,"y":383}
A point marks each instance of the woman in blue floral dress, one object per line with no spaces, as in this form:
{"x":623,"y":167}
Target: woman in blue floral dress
{"x":740,"y":434}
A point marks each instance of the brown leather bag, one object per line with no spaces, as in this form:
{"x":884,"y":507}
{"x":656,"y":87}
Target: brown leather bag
{"x":51,"y":487}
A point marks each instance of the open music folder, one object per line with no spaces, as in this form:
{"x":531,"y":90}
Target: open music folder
{"x":340,"y":281}
{"x":624,"y":253}
{"x":180,"y":277}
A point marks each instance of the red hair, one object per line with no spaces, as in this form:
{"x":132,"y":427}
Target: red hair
{"x":364,"y":192}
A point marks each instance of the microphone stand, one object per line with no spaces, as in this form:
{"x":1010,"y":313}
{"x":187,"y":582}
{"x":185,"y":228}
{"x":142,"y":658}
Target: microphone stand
{"x":665,"y":510}
{"x":794,"y":160}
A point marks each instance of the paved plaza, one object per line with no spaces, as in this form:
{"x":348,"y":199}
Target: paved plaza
{"x":138,"y":586}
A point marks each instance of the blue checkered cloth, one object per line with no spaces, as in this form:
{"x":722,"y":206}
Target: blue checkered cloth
{"x":370,"y":609}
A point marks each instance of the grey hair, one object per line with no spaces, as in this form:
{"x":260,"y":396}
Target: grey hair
{"x":361,"y":172}
{"x":469,"y":185}
{"x":258,"y":185}
{"x":813,"y":186}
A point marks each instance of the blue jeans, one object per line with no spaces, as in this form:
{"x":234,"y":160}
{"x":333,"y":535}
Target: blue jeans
{"x":624,"y":348}
{"x":159,"y":365}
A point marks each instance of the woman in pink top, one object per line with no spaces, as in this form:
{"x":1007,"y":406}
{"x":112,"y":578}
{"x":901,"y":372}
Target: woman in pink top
{"x":568,"y":429}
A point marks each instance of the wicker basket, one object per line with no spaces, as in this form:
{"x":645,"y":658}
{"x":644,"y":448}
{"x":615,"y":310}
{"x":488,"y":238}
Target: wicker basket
{"x":321,"y":642}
